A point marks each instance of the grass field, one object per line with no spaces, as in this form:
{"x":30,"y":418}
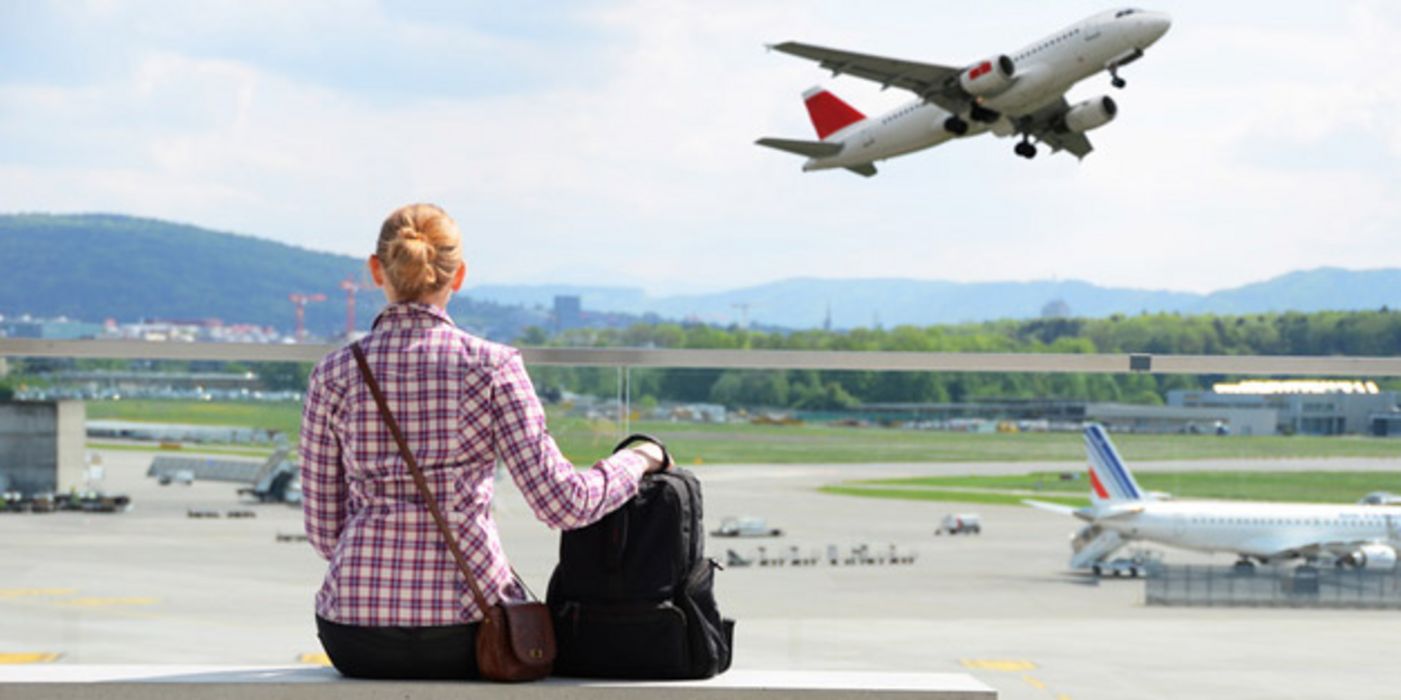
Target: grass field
{"x":586,"y":441}
{"x":1316,"y":487}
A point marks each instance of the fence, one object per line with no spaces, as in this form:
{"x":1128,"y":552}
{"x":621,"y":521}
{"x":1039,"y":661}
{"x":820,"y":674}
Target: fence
{"x":1273,"y":586}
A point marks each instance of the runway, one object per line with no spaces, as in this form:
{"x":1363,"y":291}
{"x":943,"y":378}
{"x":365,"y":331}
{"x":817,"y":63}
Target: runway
{"x":152,"y":586}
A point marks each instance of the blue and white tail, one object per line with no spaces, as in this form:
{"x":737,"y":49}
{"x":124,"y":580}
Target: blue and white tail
{"x":1110,"y":481}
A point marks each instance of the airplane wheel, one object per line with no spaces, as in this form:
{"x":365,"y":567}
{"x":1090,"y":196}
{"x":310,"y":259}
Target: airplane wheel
{"x":1025,"y":149}
{"x":956,"y":126}
{"x":1119,"y":83}
{"x":1097,"y":570}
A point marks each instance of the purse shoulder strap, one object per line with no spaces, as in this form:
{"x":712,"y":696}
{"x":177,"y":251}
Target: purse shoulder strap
{"x":418,"y":478}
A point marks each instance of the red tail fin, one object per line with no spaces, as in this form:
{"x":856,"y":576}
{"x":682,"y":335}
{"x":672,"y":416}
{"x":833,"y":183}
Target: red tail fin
{"x":829,"y":114}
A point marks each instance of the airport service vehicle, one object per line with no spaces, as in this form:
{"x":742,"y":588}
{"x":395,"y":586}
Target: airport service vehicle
{"x":960,"y":524}
{"x":1136,"y":564}
{"x":1359,"y":536}
{"x":1380,"y":498}
{"x":179,"y":476}
{"x":745,"y":527}
{"x":1016,"y":94}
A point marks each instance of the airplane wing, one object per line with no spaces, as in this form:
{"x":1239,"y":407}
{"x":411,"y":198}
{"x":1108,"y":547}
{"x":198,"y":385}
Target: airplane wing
{"x":936,"y":83}
{"x":1277,"y":546}
{"x":1046,"y":126}
{"x":1052,"y":507}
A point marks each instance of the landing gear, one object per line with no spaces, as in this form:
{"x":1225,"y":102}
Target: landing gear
{"x":1116,"y":80}
{"x":956,"y":126}
{"x":979,"y":113}
{"x":1025,"y":149}
{"x":1244,"y":567}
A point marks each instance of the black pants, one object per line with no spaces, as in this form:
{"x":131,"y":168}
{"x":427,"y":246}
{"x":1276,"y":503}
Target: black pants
{"x":428,"y":653}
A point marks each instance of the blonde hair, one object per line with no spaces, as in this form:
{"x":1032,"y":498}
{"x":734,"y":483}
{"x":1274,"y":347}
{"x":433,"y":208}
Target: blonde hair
{"x":420,"y":249}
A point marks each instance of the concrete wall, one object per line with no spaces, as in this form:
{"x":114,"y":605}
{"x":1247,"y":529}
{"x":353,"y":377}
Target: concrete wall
{"x":41,"y":445}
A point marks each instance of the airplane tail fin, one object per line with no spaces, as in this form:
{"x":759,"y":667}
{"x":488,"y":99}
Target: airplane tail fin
{"x":828,"y":112}
{"x":1110,"y":480}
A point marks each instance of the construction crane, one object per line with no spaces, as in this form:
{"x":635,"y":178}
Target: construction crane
{"x":300,"y":301}
{"x":351,"y":287}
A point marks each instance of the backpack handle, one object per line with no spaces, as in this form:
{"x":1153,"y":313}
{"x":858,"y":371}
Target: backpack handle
{"x":667,"y":461}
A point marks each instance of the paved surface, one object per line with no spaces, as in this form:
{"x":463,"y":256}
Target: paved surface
{"x":154,"y":587}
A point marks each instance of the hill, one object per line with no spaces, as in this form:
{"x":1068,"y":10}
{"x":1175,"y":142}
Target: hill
{"x":99,"y":266}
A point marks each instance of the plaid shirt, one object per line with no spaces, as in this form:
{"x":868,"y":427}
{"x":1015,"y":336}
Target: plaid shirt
{"x":463,"y":404}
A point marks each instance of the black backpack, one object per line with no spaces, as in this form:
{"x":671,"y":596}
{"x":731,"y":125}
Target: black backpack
{"x":633,"y":594}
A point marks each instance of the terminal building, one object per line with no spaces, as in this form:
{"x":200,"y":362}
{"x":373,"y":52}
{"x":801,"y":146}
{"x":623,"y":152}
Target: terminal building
{"x":1304,"y":407}
{"x":41,"y":446}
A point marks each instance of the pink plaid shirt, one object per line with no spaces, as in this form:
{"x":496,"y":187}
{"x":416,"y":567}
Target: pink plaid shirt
{"x":463,"y":403}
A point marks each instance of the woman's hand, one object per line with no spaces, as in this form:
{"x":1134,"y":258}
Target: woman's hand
{"x":653,"y":454}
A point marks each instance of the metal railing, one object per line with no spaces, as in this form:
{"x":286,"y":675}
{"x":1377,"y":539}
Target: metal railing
{"x":1273,"y":586}
{"x":1112,"y":363}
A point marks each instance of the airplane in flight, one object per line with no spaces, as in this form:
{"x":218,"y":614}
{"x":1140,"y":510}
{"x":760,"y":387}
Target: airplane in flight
{"x":1120,"y":511}
{"x":1022,"y":93}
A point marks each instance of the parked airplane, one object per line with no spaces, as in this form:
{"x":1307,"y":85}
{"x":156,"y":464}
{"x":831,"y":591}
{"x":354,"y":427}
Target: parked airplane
{"x":1022,"y":93}
{"x":1362,"y":536}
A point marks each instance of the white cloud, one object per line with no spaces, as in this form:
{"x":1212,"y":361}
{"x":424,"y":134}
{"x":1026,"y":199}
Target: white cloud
{"x":628,"y":157}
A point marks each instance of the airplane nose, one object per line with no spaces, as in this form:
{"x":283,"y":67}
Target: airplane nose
{"x":1155,"y":24}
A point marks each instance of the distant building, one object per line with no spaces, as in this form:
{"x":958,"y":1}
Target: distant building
{"x":49,"y":329}
{"x":1055,"y":308}
{"x":1133,"y":418}
{"x":1386,"y":424}
{"x":41,"y":446}
{"x":1305,"y":407}
{"x":568,"y":312}
{"x":177,"y":432}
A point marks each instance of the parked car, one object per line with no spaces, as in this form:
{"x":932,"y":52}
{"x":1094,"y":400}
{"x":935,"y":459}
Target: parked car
{"x":746,"y":527}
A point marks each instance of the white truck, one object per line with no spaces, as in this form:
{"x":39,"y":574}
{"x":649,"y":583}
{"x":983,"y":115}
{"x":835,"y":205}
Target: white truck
{"x":960,"y":524}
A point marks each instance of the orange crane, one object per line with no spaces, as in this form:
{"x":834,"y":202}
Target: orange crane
{"x":300,"y":301}
{"x":351,"y":287}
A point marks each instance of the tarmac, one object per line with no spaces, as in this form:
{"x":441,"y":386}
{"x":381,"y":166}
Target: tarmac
{"x":152,"y":586}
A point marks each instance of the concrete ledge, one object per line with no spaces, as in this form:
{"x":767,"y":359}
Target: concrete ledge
{"x":72,"y":682}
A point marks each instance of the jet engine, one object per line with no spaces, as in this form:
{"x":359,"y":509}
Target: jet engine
{"x":1090,"y":114}
{"x":987,"y":78}
{"x":1372,"y":556}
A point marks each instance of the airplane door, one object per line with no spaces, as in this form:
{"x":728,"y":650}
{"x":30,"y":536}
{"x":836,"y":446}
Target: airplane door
{"x":1393,"y":528}
{"x":1179,"y":526}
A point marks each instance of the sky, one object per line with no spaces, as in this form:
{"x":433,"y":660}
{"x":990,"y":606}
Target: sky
{"x":611,"y":142}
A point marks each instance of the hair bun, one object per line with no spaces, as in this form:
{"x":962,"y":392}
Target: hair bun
{"x":420,"y":248}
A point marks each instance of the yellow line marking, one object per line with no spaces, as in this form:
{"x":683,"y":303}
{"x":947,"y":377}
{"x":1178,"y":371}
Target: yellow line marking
{"x":1033,"y":681}
{"x":35,"y":592}
{"x":95,"y":602}
{"x":1008,"y":665}
{"x":1062,"y":696}
{"x":314,"y":658}
{"x":36,"y":657}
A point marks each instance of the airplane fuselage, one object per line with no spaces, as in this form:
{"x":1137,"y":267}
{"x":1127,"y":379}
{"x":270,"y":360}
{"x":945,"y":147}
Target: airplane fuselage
{"x":1045,"y":70}
{"x":1260,"y":530}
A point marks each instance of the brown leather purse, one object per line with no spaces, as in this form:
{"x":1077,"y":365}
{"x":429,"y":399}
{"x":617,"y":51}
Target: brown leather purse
{"x":516,"y":640}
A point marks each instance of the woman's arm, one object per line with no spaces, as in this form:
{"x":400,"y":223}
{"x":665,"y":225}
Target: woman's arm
{"x":323,"y":478}
{"x":561,"y":496}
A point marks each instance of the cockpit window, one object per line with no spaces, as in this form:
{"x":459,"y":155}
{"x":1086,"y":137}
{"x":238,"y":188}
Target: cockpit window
{"x":1124,"y":13}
